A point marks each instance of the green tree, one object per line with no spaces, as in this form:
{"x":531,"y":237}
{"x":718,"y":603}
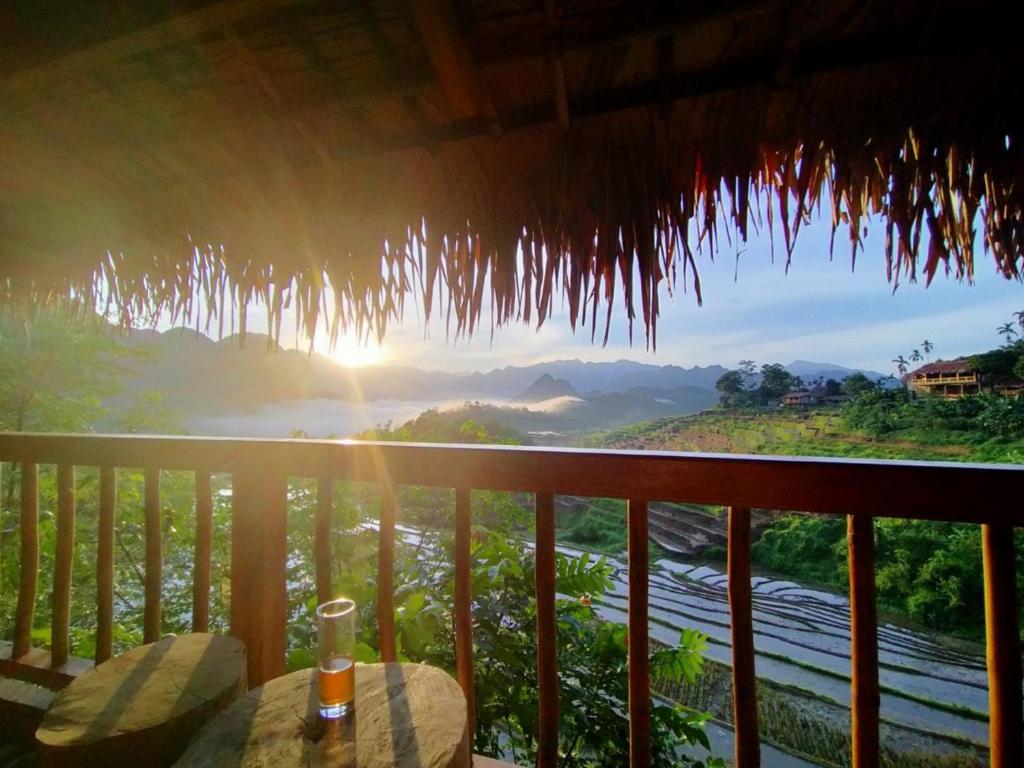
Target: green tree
{"x":775,"y":382}
{"x":856,"y":383}
{"x":148,"y":415}
{"x":1007,"y":331}
{"x":999,"y":365}
{"x":731,"y":388}
{"x":54,"y":371}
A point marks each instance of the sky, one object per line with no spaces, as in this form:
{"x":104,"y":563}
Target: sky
{"x":822,"y":311}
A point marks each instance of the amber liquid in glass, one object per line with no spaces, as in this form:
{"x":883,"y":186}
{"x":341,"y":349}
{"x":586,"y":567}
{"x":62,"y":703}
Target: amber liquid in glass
{"x":337,"y":683}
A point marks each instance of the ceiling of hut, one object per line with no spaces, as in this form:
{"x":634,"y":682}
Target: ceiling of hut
{"x":314,"y":137}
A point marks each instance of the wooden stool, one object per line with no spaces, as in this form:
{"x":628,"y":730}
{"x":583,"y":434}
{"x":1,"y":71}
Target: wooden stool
{"x":406,"y":716}
{"x":142,"y":707}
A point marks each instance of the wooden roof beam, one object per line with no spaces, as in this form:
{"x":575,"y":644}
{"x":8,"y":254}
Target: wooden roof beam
{"x":270,"y":89}
{"x":437,"y":24}
{"x":556,"y":62}
{"x":178,"y":29}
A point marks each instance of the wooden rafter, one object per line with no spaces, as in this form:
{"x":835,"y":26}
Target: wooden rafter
{"x":273,"y":92}
{"x":398,"y":79}
{"x":464,"y":92}
{"x":175,"y":30}
{"x":556,"y":62}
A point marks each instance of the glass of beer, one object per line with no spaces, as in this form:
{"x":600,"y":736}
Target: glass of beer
{"x":336,"y":677}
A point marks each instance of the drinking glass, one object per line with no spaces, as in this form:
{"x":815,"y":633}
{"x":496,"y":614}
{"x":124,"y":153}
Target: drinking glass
{"x":336,"y":678}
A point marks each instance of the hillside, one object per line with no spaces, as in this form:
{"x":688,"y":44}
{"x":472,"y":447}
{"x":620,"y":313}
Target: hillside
{"x":794,"y":433}
{"x":927,"y":572}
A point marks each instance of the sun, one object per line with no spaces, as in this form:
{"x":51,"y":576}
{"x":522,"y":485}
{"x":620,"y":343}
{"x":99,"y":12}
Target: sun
{"x":350,"y":352}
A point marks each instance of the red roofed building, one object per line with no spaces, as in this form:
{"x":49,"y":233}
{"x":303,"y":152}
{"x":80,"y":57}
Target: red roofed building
{"x":950,"y":379}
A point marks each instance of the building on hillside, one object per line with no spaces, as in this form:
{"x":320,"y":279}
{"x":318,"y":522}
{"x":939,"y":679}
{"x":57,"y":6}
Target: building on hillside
{"x":950,"y":379}
{"x":1009,"y":389}
{"x":803,"y":398}
{"x":806,"y":398}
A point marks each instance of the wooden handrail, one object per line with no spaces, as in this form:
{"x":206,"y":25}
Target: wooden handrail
{"x":944,"y":491}
{"x":259,"y":468}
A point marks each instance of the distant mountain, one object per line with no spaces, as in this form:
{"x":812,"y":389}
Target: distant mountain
{"x":545,"y":388}
{"x":668,"y":377}
{"x":809,"y":371}
{"x":618,"y":376}
{"x":198,"y":375}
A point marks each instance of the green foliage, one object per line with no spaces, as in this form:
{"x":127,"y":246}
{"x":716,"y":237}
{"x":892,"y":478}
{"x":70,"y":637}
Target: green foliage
{"x":775,"y":382}
{"x":436,"y":426}
{"x":856,"y":384}
{"x":737,"y":388}
{"x":814,"y":545}
{"x":999,"y":365}
{"x":974,"y":419}
{"x":53,"y":373}
{"x":593,"y":725}
{"x":930,"y":572}
{"x":147,"y":415}
{"x":927,"y":571}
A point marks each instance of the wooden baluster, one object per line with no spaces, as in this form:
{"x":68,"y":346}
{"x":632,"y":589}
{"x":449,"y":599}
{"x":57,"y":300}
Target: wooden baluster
{"x":386,"y":574}
{"x":60,"y":642}
{"x":1002,"y":650}
{"x":547,"y":657}
{"x":259,"y":552}
{"x":744,"y":680}
{"x":203,"y":553}
{"x":105,"y":565}
{"x":864,"y":694}
{"x":322,"y":542}
{"x":28,"y":580}
{"x":463,"y":606}
{"x":154,"y":558}
{"x":639,"y":638}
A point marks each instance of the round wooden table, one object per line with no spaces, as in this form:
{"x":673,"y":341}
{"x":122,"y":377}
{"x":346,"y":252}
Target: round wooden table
{"x":142,"y":707}
{"x":405,"y":716}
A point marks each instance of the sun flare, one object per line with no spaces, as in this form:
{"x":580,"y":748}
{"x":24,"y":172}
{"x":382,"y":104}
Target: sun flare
{"x":352,"y":353}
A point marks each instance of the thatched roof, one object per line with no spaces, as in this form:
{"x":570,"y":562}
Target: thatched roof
{"x":960,"y":365}
{"x":154,"y":154}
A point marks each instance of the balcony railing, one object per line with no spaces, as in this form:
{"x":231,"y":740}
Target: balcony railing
{"x":987,"y":495}
{"x":946,"y":378}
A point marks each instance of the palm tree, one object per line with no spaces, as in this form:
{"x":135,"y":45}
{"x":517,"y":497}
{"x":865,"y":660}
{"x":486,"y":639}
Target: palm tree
{"x":901,"y":365}
{"x":927,"y":346}
{"x":1006,"y":330}
{"x":1020,"y":318}
{"x":916,"y":356}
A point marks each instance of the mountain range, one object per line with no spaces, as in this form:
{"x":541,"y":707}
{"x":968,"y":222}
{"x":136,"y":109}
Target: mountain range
{"x":197,"y":374}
